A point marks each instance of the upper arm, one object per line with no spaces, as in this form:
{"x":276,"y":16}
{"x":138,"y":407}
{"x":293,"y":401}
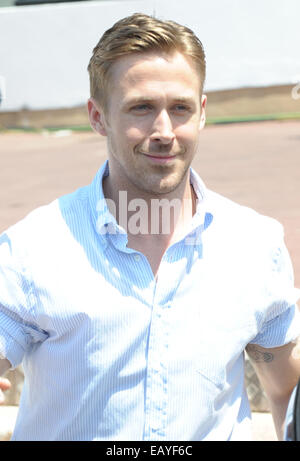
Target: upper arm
{"x":278,"y":368}
{"x":19,"y":327}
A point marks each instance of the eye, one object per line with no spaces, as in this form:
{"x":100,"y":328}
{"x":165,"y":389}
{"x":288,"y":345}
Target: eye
{"x":141,"y":108}
{"x":181,"y":108}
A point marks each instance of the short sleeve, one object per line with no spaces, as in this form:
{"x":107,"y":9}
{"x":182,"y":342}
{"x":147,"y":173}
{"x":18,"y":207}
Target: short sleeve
{"x":280,"y":321}
{"x":18,"y":329}
{"x":281,"y":330}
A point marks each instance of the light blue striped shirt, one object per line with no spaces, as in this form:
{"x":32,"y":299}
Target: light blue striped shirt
{"x":108,"y":352}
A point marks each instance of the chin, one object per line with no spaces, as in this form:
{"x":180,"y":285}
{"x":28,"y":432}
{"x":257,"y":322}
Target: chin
{"x":161,"y":187}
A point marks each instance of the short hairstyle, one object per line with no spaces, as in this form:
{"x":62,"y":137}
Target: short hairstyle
{"x":140,"y":33}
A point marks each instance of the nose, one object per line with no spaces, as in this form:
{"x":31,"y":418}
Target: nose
{"x":162,"y":130}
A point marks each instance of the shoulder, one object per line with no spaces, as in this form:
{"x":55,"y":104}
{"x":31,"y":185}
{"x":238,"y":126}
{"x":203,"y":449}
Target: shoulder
{"x":46,"y":223}
{"x":242,"y":224}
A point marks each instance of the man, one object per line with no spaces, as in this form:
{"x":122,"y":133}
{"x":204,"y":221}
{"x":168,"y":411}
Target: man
{"x":131,"y":302}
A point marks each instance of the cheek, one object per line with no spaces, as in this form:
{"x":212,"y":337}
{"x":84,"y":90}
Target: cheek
{"x":134,"y":135}
{"x":188,"y":133}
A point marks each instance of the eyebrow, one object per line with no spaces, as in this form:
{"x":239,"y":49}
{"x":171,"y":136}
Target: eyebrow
{"x":145,"y":100}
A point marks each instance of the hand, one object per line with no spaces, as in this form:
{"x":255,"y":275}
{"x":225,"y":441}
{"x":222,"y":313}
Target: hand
{"x":4,"y":386}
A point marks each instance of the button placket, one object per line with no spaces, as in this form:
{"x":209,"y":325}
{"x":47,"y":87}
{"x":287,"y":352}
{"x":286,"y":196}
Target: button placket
{"x":157,"y":365}
{"x":156,"y":390}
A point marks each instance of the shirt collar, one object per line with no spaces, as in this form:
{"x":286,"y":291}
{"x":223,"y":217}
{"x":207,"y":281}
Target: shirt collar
{"x":106,"y":222}
{"x":203,"y":217}
{"x":99,"y":204}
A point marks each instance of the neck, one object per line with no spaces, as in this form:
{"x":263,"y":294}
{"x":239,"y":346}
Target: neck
{"x":146,"y":215}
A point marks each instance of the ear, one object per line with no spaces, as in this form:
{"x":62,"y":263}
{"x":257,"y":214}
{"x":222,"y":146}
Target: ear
{"x":203,"y":112}
{"x":96,"y":116}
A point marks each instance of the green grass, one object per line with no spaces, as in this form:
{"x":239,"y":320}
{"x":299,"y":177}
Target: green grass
{"x":72,"y":128}
{"x":253,"y":118}
{"x":50,"y":129}
{"x":209,"y":121}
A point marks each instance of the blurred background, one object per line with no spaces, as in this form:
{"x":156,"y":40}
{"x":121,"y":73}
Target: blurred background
{"x":252,"y":48}
{"x":249,"y":150}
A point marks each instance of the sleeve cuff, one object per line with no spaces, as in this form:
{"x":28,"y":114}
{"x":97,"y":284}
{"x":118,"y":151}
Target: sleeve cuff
{"x":281,"y":330}
{"x":13,"y":340}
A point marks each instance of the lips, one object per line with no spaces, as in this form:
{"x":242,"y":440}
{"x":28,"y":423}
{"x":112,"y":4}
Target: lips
{"x":161,"y":159}
{"x":160,"y":156}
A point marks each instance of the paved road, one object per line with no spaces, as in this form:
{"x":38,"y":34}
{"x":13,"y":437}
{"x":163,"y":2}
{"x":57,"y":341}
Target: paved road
{"x":255,"y":164}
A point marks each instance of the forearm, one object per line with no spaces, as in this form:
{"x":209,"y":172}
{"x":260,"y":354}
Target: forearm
{"x":278,"y":410}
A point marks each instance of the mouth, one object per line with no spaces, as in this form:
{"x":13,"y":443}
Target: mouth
{"x":160,"y":158}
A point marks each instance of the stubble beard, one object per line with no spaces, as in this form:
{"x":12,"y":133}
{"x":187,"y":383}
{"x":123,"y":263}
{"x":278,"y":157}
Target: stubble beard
{"x":157,"y":180}
{"x":153,"y":180}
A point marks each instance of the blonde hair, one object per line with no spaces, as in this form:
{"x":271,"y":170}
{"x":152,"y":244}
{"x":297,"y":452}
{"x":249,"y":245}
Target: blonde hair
{"x":140,"y":33}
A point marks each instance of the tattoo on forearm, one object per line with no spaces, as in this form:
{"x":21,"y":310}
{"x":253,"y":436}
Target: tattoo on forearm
{"x":258,"y":356}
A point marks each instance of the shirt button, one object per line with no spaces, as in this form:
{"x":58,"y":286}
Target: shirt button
{"x":137,"y":257}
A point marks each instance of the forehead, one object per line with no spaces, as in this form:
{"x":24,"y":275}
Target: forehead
{"x":151,"y":71}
